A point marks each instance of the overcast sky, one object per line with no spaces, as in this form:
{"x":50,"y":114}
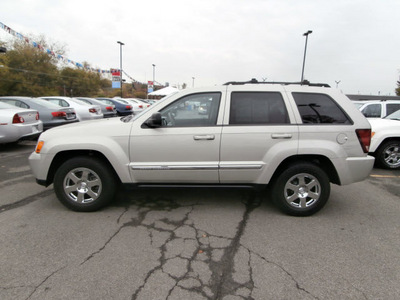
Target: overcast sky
{"x":355,"y":42}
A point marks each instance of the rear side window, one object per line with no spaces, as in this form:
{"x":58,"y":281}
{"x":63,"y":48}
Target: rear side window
{"x":257,"y":108}
{"x":319,"y":108}
{"x":372,"y":110}
{"x":391,"y":108}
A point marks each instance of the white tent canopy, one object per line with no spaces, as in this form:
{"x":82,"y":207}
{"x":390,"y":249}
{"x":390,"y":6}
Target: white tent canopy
{"x":164,"y":92}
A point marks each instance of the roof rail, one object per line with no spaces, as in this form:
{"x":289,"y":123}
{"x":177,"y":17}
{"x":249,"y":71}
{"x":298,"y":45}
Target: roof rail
{"x":255,"y":81}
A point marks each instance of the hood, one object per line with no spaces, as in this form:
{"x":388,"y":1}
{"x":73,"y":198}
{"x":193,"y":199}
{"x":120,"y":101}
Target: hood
{"x":377,"y":124}
{"x":99,"y":127}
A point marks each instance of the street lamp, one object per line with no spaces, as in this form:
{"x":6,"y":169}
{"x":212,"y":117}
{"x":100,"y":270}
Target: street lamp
{"x":193,"y":82}
{"x":120,"y":62}
{"x":337,"y":83}
{"x":305,"y":50}
{"x":154,"y":74}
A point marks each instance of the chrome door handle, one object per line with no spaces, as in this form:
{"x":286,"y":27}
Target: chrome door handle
{"x":206,"y":137}
{"x":281,"y":135}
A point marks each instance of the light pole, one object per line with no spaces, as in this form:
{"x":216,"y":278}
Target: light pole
{"x":193,"y":82}
{"x":337,"y":83}
{"x":120,"y":62}
{"x":154,"y":74}
{"x":305,"y":50}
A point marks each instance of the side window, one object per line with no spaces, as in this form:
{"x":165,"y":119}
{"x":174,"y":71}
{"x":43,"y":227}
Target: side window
{"x":192,"y":111}
{"x":319,"y":108}
{"x":391,"y":108}
{"x":54,"y":101}
{"x":257,"y":108}
{"x":21,"y":104}
{"x":64,"y":103}
{"x":372,"y":111}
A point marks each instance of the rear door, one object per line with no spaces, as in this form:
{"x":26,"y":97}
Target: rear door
{"x":258,"y":133}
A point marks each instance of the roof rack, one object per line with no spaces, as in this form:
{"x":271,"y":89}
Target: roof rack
{"x":255,"y":81}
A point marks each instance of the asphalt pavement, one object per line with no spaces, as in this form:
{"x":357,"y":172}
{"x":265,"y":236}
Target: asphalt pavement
{"x":196,"y":243}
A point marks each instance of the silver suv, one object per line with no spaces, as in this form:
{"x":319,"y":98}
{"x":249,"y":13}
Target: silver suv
{"x":295,"y":138}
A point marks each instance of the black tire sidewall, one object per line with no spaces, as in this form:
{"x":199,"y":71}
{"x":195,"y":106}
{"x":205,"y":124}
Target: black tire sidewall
{"x":278,"y":186}
{"x":380,"y":155}
{"x":100,"y":168}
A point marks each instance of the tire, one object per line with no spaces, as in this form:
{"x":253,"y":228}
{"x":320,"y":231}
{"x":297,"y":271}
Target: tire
{"x":388,"y":155}
{"x":84,"y":184}
{"x":301,"y":190}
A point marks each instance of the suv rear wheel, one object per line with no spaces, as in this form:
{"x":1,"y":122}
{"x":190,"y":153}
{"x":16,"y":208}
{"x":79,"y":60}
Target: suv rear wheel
{"x":84,"y":184}
{"x":301,"y":190}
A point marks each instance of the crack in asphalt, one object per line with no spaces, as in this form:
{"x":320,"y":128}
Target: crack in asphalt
{"x":26,"y":200}
{"x":225,"y":282}
{"x":297,"y":284}
{"x":220,"y":281}
{"x":189,"y":261}
{"x":44,"y":280}
{"x":108,"y":241}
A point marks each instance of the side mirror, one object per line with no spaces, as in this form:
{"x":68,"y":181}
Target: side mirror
{"x":154,"y":121}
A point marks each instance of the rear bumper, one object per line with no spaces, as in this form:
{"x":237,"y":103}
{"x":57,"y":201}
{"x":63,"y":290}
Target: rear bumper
{"x":356,"y":169}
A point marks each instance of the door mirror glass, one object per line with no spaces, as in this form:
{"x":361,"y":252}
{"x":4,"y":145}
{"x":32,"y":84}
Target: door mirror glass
{"x":154,"y":121}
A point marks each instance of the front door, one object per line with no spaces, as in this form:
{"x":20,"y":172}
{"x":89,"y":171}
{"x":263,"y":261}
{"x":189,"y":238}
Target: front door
{"x":185,"y":148}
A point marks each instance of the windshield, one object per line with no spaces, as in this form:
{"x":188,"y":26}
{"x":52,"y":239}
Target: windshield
{"x":394,"y":116}
{"x":45,"y":103}
{"x":6,"y":105}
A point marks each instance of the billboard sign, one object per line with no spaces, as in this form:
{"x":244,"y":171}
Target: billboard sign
{"x":150,"y":86}
{"x":116,"y":78}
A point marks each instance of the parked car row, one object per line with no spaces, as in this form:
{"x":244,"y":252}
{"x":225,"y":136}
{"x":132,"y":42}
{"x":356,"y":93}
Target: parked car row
{"x":53,"y":111}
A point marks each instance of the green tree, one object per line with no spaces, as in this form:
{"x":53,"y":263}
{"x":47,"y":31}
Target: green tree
{"x":79,"y":82}
{"x":398,"y":88}
{"x":27,"y":71}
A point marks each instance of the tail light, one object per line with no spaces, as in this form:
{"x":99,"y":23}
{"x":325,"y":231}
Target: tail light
{"x":92,"y":110}
{"x":109,"y":108}
{"x":128,"y":107}
{"x":37,"y":116}
{"x":364,"y":136}
{"x":140,"y":106}
{"x":59,"y":114}
{"x":17,"y":119}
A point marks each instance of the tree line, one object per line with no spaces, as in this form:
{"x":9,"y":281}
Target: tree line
{"x":28,"y":71}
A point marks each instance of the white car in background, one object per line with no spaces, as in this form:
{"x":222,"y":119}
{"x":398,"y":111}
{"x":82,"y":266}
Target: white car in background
{"x":137,"y":105}
{"x":385,"y":141}
{"x":83,"y":110}
{"x":18,"y":123}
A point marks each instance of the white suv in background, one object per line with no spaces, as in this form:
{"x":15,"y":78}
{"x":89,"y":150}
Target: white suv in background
{"x":377,"y":108}
{"x":297,"y":138}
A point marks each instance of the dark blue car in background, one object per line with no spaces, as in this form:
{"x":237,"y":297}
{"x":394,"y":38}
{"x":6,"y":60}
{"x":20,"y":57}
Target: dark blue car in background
{"x":122,"y":108}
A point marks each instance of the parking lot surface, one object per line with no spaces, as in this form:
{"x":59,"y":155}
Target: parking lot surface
{"x":196,"y":243}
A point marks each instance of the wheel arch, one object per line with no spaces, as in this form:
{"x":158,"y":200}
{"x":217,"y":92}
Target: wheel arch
{"x":63,"y":156}
{"x":384,"y":141}
{"x":319,"y":160}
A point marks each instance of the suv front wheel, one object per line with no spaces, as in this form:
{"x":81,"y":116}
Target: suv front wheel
{"x":301,"y":190}
{"x":388,"y":155}
{"x":84,"y":184}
